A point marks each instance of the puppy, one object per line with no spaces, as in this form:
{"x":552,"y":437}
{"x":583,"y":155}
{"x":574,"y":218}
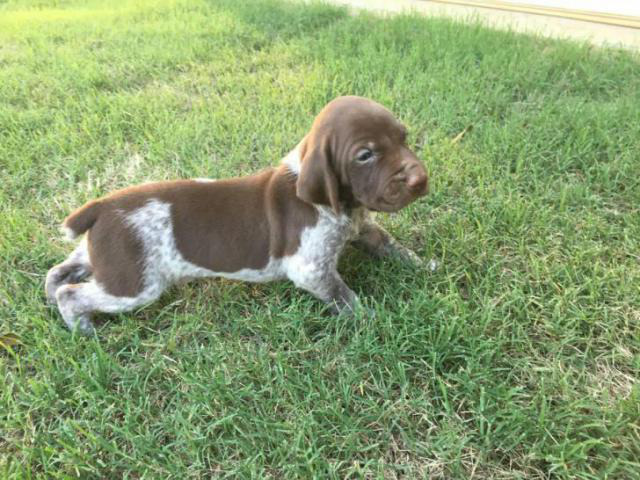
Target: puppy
{"x":290,"y":221}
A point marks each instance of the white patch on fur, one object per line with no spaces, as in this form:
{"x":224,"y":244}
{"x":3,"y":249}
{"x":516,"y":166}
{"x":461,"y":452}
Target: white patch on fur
{"x":204,"y":180}
{"x":81,"y":253}
{"x":292,"y":160}
{"x":68,"y":233}
{"x":95,"y":297}
{"x":76,"y":302}
{"x":320,"y":247}
{"x":76,"y":267}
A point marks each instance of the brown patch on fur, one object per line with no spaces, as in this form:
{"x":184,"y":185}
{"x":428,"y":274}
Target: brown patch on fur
{"x":116,"y":254}
{"x":288,"y":214}
{"x":240,"y":223}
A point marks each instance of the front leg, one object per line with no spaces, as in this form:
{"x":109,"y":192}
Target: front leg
{"x":328,"y":286}
{"x":376,"y":241}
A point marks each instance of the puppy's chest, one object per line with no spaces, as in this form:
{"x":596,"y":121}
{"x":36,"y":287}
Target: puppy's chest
{"x":324,"y":241}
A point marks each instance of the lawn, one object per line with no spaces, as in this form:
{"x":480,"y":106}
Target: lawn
{"x":518,"y":358}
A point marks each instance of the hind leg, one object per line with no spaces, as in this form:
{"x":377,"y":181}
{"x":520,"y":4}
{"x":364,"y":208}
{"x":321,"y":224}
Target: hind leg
{"x":74,"y":269}
{"x":77,"y":302}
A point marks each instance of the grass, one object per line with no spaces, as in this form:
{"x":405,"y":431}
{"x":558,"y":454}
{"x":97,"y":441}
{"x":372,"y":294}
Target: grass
{"x":518,"y":358}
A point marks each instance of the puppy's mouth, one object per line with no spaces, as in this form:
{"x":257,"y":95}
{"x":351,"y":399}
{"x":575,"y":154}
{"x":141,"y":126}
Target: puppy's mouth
{"x":391,"y":206}
{"x":398,"y":198}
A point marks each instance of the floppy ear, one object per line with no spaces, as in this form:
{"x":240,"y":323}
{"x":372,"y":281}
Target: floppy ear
{"x":317,"y":182}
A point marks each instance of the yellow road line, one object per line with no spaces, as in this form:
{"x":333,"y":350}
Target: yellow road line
{"x":610,"y":19}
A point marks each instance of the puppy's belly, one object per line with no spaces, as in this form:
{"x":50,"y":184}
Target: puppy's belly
{"x":184,"y":270}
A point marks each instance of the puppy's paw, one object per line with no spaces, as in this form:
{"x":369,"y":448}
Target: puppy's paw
{"x":354,"y":309}
{"x":363,"y":311}
{"x":410,"y":258}
{"x":433,"y":265}
{"x":407,"y":257}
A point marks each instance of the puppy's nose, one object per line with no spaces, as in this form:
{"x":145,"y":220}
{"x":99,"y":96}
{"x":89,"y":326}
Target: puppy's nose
{"x":417,"y":183}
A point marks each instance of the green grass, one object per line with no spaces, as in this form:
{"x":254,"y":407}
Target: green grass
{"x":518,"y":358}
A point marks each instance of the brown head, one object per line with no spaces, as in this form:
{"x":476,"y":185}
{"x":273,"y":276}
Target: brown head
{"x":356,"y":154}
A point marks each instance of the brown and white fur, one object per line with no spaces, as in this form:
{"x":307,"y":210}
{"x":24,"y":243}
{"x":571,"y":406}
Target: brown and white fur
{"x":287,"y":222}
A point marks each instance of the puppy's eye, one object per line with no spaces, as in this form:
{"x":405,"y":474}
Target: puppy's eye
{"x":364,"y":155}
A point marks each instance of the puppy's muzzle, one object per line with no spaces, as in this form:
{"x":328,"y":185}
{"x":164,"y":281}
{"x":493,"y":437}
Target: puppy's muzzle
{"x":415,"y":177}
{"x":417,"y":182}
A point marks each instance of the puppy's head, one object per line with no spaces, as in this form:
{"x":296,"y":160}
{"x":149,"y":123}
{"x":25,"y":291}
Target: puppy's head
{"x":356,"y":155}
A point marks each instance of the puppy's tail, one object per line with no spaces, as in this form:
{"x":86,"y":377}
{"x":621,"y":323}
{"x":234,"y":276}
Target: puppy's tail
{"x":82,"y":219}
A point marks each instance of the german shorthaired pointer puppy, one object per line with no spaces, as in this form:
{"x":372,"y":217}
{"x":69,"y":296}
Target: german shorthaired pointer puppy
{"x":290,"y":221}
